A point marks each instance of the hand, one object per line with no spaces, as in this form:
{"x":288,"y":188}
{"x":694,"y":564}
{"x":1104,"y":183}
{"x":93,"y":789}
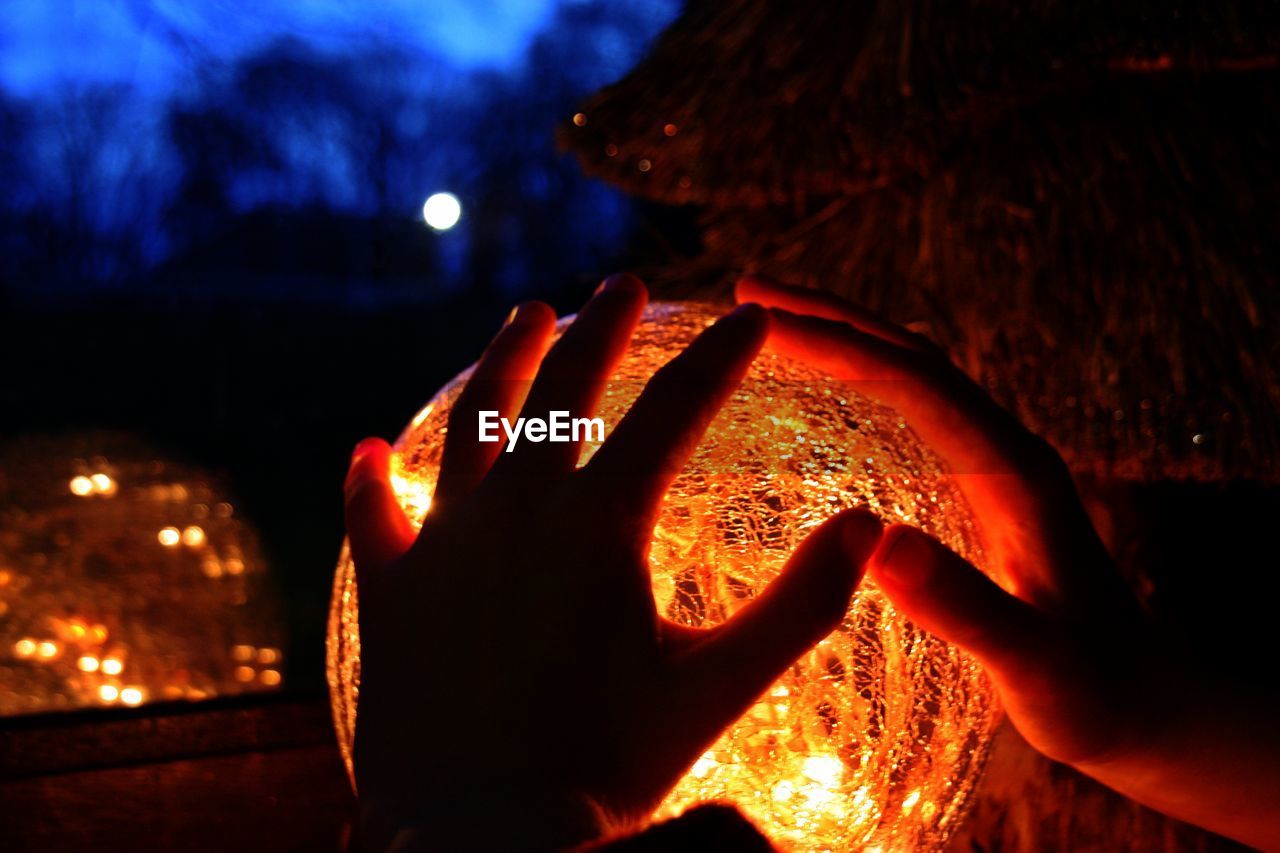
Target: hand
{"x":1083,"y":674}
{"x":518,"y":687}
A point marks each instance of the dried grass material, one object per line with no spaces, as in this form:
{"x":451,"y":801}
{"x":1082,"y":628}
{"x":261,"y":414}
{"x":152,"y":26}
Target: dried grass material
{"x":759,"y":102}
{"x":1106,"y":264}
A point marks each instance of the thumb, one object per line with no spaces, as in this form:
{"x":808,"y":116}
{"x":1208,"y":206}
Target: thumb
{"x":377,"y":529}
{"x":946,"y":595}
{"x":733,"y":664}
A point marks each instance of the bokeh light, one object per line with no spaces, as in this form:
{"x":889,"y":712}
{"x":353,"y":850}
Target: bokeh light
{"x":103,"y":591}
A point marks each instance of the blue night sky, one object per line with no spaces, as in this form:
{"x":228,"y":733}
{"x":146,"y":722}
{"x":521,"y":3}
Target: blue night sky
{"x":142,"y":141}
{"x":153,"y":44}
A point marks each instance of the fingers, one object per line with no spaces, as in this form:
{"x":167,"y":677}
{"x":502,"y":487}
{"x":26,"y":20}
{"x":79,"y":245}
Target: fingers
{"x":901,"y":369}
{"x":650,"y":445}
{"x":944,"y":594}
{"x":946,"y":409}
{"x":573,"y":374}
{"x":1015,"y":481}
{"x":816,"y":303}
{"x":377,"y":530}
{"x":723,"y":674}
{"x":498,"y":384}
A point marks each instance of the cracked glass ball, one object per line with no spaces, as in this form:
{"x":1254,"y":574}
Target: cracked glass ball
{"x":876,"y":738}
{"x":127,"y":577}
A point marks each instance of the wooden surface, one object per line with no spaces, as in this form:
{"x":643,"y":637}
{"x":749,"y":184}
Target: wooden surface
{"x":264,"y":773}
{"x":244,"y":775}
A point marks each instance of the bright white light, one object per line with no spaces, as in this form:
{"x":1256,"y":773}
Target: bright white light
{"x":442,"y":211}
{"x":826,"y":770}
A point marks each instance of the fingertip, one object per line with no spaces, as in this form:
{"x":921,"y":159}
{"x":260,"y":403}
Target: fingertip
{"x":904,"y":558}
{"x":621,"y":298}
{"x":754,"y":287}
{"x":369,"y":457}
{"x":533,"y":313}
{"x":377,"y":529}
{"x":365,"y":446}
{"x":750,"y":311}
{"x":623,"y":283}
{"x":860,"y":531}
{"x":752,"y":317}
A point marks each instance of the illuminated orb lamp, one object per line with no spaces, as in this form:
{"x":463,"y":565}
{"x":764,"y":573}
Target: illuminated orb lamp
{"x":126,"y":578}
{"x":874,"y":739}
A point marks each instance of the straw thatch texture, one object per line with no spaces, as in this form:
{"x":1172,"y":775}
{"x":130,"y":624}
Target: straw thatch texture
{"x":1105,"y":262}
{"x":758,"y":102}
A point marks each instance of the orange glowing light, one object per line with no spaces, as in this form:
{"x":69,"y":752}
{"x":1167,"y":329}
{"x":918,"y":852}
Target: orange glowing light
{"x":875,"y":738}
{"x":97,"y":587}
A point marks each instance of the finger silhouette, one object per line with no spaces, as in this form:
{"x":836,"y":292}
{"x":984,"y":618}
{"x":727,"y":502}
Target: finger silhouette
{"x":572,"y":376}
{"x":946,"y":595}
{"x":721,"y":675}
{"x":378,"y":533}
{"x":817,"y":303}
{"x":664,"y":425}
{"x":499,"y":383}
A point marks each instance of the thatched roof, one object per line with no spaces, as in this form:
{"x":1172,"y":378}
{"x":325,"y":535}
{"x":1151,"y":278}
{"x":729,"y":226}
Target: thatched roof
{"x":760,"y":102}
{"x":1107,"y":262}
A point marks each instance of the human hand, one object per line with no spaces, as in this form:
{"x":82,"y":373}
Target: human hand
{"x":1082,"y":672}
{"x":518,"y":687}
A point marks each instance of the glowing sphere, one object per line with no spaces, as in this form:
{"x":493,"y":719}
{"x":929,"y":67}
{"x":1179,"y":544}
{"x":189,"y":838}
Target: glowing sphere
{"x":442,"y":211}
{"x":877,"y":737}
{"x":126,"y":578}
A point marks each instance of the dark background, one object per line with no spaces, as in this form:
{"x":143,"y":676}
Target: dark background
{"x":211,"y":234}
